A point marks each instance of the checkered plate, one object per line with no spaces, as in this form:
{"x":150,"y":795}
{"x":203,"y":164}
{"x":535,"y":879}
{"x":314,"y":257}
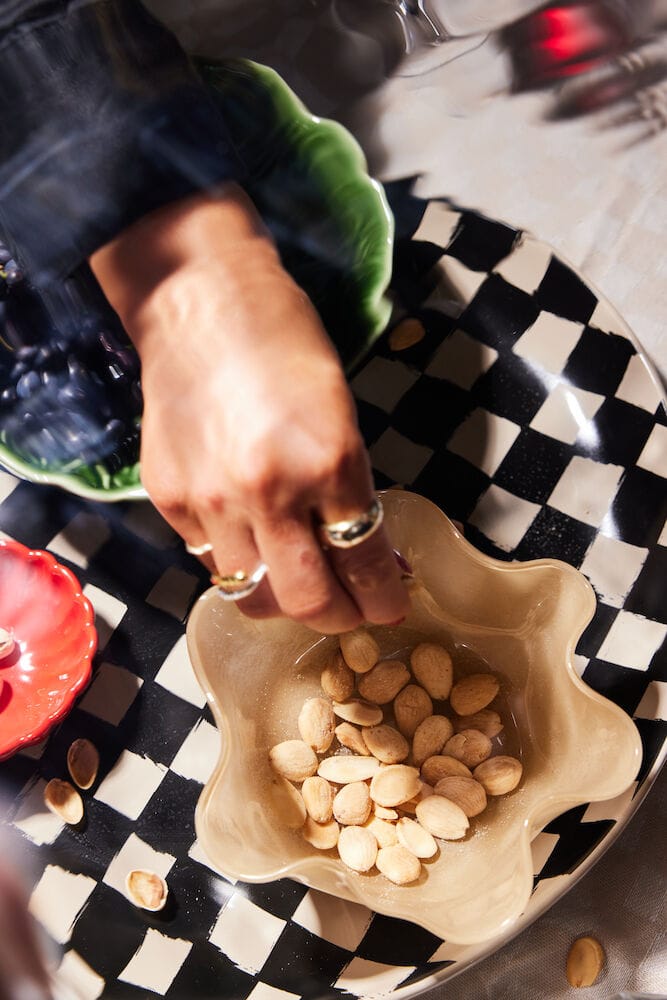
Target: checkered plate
{"x":526,"y":411}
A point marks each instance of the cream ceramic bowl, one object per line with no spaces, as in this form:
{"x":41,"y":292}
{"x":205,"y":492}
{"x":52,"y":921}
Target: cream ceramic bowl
{"x":520,"y":620}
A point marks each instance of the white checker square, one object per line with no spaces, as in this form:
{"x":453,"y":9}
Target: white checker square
{"x":566,"y":413}
{"x":8,"y":484}
{"x":85,"y":534}
{"x":131,"y":783}
{"x":262,"y":991}
{"x":526,"y":265}
{"x":246,"y":933}
{"x":580,"y":663}
{"x":654,"y":454}
{"x":383,"y":382}
{"x":610,"y":808}
{"x":176,"y":675}
{"x":654,"y":702}
{"x":541,"y":849}
{"x":34,"y":819}
{"x":438,"y":224}
{"x":75,"y":978}
{"x":503,"y":517}
{"x":586,"y":489}
{"x":336,"y":920}
{"x":112,"y":692}
{"x":612,"y":566}
{"x":399,"y":458}
{"x":156,"y":963}
{"x":198,"y":754}
{"x":143,"y":520}
{"x":34,"y":751}
{"x":464,"y":282}
{"x":549,"y":341}
{"x":173,"y":592}
{"x":632,"y":641}
{"x":58,"y":899}
{"x":461,"y":360}
{"x":484,"y":439}
{"x":364,"y":978}
{"x":109,"y":612}
{"x":136,"y":853}
{"x":450,"y":952}
{"x":606,"y":318}
{"x":637,"y":386}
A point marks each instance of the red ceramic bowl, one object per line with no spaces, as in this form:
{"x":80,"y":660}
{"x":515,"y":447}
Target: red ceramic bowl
{"x":52,"y":623}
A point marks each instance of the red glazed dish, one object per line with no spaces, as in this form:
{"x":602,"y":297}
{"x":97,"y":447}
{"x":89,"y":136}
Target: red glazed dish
{"x":52,"y":623}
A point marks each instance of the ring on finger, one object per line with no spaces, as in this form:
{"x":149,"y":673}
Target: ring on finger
{"x":347,"y":534}
{"x":198,"y":550}
{"x":236,"y":586}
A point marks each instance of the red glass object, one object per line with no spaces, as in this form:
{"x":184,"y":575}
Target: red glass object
{"x":52,"y":623}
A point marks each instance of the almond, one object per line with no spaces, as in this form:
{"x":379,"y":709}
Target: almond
{"x":351,"y":737}
{"x":293,"y":759}
{"x":469,"y":746}
{"x":411,"y":706}
{"x":433,"y":668}
{"x":499,"y":775}
{"x":406,"y":334}
{"x":417,"y":840}
{"x":316,"y":724}
{"x":465,"y":792}
{"x":361,"y":713}
{"x":441,"y":766}
{"x":584,"y":961}
{"x":357,"y":848}
{"x":395,"y":784}
{"x":386,"y":743}
{"x":384,"y":832}
{"x":398,"y":864}
{"x":486,"y":720}
{"x":384,"y":681}
{"x":288,"y":802}
{"x":64,"y":800}
{"x":411,"y":805}
{"x":473,"y":693}
{"x":318,"y":796}
{"x":83,"y":762}
{"x":323,"y":836}
{"x":442,"y":818}
{"x":352,"y":804}
{"x":430,"y":737}
{"x":146,"y":889}
{"x":360,"y":650}
{"x":337,"y":679}
{"x":345,"y":768}
{"x":383,"y":813}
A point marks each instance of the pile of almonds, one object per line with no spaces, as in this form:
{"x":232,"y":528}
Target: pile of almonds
{"x":401,"y":777}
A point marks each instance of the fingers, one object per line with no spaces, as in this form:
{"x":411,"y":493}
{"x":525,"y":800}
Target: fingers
{"x":235,"y":551}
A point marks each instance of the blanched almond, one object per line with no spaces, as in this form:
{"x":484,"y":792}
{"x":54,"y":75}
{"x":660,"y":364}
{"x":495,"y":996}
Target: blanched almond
{"x":64,"y":800}
{"x":386,"y":743}
{"x":288,"y":802}
{"x":351,"y":737}
{"x":486,"y":720}
{"x":499,"y":775}
{"x":411,"y":706}
{"x":318,"y":796}
{"x":465,"y":792}
{"x":417,"y":840}
{"x":382,"y":812}
{"x":411,"y":805}
{"x":584,"y":961}
{"x":398,"y":864}
{"x":337,"y":679}
{"x":395,"y":784}
{"x":293,"y":759}
{"x":146,"y":889}
{"x":473,"y":693}
{"x":430,"y":737}
{"x":83,"y":762}
{"x":316,"y":723}
{"x":345,"y":768}
{"x":384,"y":832}
{"x":352,"y":804}
{"x":358,"y":712}
{"x":360,"y":650}
{"x":441,"y":766}
{"x":442,"y":818}
{"x":357,"y":848}
{"x":323,"y":836}
{"x":469,"y":746}
{"x":384,"y":681}
{"x":432,"y":667}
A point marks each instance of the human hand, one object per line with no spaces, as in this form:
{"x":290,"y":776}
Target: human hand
{"x":23,"y":974}
{"x":249,"y":433}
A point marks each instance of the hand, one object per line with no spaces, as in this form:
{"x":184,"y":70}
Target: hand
{"x":249,"y":434}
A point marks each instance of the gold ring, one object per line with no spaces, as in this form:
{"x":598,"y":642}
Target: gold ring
{"x":236,"y":586}
{"x":347,"y":534}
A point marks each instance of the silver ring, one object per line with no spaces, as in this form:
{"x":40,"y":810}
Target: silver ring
{"x":238,"y":585}
{"x":347,"y":534}
{"x":199,"y":550}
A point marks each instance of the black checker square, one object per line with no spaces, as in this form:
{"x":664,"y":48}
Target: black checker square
{"x":373,"y":421}
{"x":171,"y":808}
{"x":598,"y":361}
{"x":511,"y":388}
{"x":280,"y":898}
{"x":110,"y":929}
{"x":653,"y":733}
{"x":639,"y":508}
{"x":554,"y":535}
{"x":431,"y":410}
{"x":596,"y":631}
{"x":302,"y":963}
{"x":563,"y":292}
{"x":196,"y":895}
{"x":576,"y":841}
{"x":622,"y":685}
{"x":207,"y":974}
{"x":499,"y":313}
{"x":414,"y":277}
{"x":533,"y":466}
{"x":657,"y":670}
{"x":33,"y":514}
{"x":481,"y":243}
{"x":647,"y":596}
{"x":622,"y":431}
{"x":452,"y":483}
{"x":177,"y":718}
{"x":410,"y":944}
{"x":437,"y":327}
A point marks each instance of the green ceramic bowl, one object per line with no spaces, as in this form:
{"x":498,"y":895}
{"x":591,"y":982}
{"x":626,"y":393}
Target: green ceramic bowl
{"x":331,"y":222}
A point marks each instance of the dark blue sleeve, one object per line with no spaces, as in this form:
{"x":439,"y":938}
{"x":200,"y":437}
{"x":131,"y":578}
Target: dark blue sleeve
{"x":103,"y":119}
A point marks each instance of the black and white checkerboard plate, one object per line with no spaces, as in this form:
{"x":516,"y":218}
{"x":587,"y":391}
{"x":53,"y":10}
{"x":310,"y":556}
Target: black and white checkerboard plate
{"x":527,"y":412}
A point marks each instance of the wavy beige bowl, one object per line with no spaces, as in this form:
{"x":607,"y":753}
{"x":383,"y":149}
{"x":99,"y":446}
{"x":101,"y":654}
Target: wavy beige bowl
{"x":524,"y":620}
